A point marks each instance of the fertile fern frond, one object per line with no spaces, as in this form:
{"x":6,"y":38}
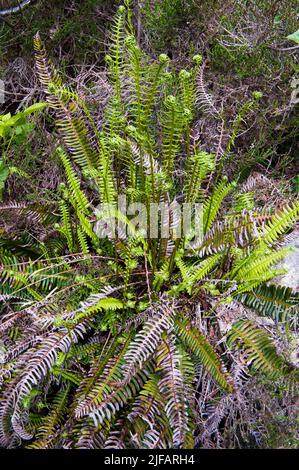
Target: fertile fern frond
{"x":277,"y":302}
{"x":47,"y":72}
{"x":172,"y":388}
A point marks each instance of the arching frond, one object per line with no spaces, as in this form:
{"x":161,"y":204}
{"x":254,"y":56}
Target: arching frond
{"x":261,"y":352}
{"x":200,"y":347}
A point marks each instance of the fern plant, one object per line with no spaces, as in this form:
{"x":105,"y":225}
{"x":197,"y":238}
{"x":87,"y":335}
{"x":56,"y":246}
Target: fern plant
{"x":124,"y":341}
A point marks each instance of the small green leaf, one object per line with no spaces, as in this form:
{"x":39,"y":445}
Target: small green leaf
{"x":294,"y":37}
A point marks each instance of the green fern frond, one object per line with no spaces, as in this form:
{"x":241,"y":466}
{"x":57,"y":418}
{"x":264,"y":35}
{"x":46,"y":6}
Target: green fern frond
{"x":252,"y":267}
{"x":213,"y":203}
{"x":243,"y":201}
{"x":172,"y":388}
{"x":71,"y":121}
{"x":195,"y":272}
{"x":148,"y":415}
{"x":277,"y":302}
{"x":238,"y":231}
{"x":67,"y":228}
{"x":261,"y":352}
{"x":200,"y":165}
{"x":139,"y":362}
{"x":173,"y":122}
{"x":115,"y":59}
{"x":202,"y":349}
{"x":50,"y":425}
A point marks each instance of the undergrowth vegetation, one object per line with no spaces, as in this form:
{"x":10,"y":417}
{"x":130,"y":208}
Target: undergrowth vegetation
{"x":113,"y":337}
